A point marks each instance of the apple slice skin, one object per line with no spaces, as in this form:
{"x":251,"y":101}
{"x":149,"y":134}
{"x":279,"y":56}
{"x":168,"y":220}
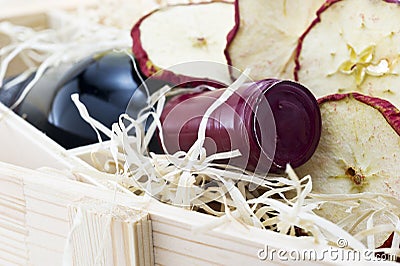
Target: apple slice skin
{"x":286,"y":64}
{"x":388,"y":110}
{"x":384,"y":109}
{"x":321,"y":10}
{"x":299,"y":47}
{"x":231,"y":35}
{"x":371,"y":85}
{"x":358,"y":152}
{"x":388,"y":244}
{"x":145,"y":64}
{"x":149,"y":69}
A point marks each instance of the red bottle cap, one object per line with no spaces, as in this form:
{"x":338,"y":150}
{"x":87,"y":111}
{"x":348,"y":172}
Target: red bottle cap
{"x":297,"y":122}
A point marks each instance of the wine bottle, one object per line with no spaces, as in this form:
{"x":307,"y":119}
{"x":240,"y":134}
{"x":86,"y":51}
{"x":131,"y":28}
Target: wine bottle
{"x":271,"y":122}
{"x":105,"y":82}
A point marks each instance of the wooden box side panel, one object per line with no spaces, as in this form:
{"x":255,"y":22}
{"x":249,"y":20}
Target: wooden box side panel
{"x":13,"y":231}
{"x":175,"y":237}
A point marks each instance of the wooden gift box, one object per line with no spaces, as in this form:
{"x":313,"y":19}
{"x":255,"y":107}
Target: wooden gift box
{"x":39,"y":209}
{"x":35,"y":222}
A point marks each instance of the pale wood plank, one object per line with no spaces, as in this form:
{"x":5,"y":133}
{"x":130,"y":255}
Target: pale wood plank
{"x":48,"y":224}
{"x":165,"y":257}
{"x":203,"y":251}
{"x":7,"y":258}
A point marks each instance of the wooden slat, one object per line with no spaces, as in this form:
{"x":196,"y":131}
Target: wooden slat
{"x":21,"y":143}
{"x":45,"y":239}
{"x":13,"y":232}
{"x":202,"y":251}
{"x":211,"y":241}
{"x":44,"y":207}
{"x":165,"y":257}
{"x":47,"y":224}
{"x":7,"y":258}
{"x":13,"y":236}
{"x":13,"y":247}
{"x":104,"y":233}
{"x":44,"y":256}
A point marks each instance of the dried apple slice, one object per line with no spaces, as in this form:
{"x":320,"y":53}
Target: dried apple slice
{"x":353,"y":45}
{"x":266,"y":33}
{"x":177,"y":34}
{"x":359,"y":151}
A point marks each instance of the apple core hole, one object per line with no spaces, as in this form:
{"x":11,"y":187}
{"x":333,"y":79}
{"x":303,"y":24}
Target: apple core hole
{"x":350,"y":171}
